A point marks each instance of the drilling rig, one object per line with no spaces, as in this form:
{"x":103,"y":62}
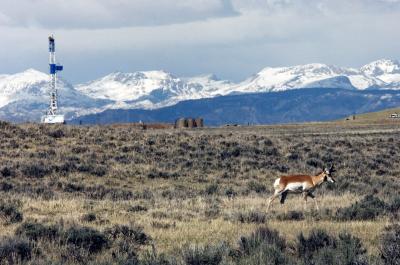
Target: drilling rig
{"x":52,"y":116}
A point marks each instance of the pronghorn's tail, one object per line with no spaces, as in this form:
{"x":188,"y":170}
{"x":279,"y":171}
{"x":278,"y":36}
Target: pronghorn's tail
{"x":276,"y":183}
{"x":276,"y":192}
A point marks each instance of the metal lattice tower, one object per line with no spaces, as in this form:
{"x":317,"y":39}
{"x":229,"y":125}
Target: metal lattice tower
{"x":52,"y":116}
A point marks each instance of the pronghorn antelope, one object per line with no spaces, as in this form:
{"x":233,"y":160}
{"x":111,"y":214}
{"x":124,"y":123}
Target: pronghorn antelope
{"x":304,"y":184}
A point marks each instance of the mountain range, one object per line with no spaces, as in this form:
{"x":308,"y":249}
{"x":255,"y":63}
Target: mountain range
{"x":24,"y":96}
{"x":291,"y":106}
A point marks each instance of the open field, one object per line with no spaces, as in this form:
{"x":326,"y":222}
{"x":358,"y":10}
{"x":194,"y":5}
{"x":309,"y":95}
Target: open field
{"x":377,"y":116}
{"x":120,"y":195}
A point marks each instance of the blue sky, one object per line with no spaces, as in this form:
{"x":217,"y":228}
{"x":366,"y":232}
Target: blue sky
{"x":231,"y":38}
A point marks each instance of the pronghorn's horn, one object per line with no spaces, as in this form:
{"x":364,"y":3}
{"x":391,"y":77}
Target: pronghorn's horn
{"x":332,"y":169}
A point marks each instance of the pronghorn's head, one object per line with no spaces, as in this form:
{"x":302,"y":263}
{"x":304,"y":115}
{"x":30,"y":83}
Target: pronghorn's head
{"x":328,"y":174}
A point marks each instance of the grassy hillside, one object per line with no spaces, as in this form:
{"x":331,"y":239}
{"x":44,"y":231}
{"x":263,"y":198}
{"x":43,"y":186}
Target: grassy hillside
{"x":119,"y":195}
{"x":377,"y":116}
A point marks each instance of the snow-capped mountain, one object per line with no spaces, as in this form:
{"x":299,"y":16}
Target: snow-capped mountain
{"x":151,"y":89}
{"x":25,"y":96}
{"x":13,"y":85}
{"x":388,"y":71}
{"x":120,"y":86}
{"x":381,"y":68}
{"x":209,"y":85}
{"x":377,"y":75}
{"x":302,"y":76}
{"x":156,"y":89}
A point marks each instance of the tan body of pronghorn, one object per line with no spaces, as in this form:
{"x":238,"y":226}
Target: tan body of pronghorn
{"x":303,"y":184}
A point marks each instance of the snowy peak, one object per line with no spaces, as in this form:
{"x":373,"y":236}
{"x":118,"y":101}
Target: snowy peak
{"x":382,"y":74}
{"x":9,"y":83}
{"x":25,"y":96}
{"x":381,"y":67}
{"x":300,"y":76}
{"x":152,"y":89}
{"x":207,"y":81}
{"x":128,"y":78}
{"x":314,"y":69}
{"x":332,"y":82}
{"x":387,"y":71}
{"x":120,"y":86}
{"x":12,"y":85}
{"x":31,"y":75}
{"x":155,"y":89}
{"x":207,"y":78}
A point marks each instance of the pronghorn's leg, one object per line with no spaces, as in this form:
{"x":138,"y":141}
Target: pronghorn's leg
{"x":316,"y":203}
{"x":272,"y":198}
{"x":315,"y":200}
{"x":305,"y":200}
{"x":283,"y":196}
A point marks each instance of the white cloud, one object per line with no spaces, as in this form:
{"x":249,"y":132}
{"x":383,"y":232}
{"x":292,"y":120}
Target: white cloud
{"x":318,"y":7}
{"x":55,"y":14}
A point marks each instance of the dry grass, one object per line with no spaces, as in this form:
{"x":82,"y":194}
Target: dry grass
{"x":189,"y":225}
{"x":192,"y":185}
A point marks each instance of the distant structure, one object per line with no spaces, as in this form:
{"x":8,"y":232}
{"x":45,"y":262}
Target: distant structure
{"x":52,"y":116}
{"x":199,"y":122}
{"x":189,"y":123}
